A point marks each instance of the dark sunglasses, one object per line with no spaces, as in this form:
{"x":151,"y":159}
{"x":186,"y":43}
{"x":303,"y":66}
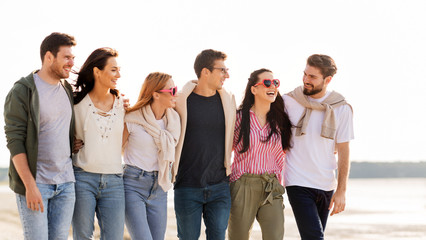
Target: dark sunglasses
{"x":172,"y":90}
{"x":268,"y":82}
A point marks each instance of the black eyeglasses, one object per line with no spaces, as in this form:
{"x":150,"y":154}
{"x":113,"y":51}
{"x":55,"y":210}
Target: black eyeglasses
{"x":172,"y":90}
{"x":268,"y":82}
{"x":223,"y":70}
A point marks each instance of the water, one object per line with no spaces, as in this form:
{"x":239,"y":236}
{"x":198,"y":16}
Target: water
{"x":382,"y":209}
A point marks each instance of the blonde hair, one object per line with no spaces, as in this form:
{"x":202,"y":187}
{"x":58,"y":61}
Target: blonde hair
{"x":154,"y":82}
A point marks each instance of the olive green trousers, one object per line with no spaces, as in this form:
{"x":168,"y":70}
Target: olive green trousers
{"x":256,"y":196}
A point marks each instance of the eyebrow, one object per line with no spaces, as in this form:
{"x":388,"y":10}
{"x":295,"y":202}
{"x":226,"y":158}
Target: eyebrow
{"x":310,"y":75}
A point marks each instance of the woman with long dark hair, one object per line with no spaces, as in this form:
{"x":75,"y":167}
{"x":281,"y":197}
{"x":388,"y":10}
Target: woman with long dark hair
{"x":262,"y":135}
{"x":99,"y":115}
{"x":151,"y":133}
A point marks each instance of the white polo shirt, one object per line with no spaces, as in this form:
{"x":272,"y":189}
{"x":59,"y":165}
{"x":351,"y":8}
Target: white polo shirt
{"x":311,"y":161}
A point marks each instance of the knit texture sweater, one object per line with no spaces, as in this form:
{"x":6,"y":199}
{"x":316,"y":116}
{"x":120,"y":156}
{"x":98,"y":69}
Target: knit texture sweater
{"x":166,"y":140}
{"x":102,"y":142}
{"x":329,"y":127}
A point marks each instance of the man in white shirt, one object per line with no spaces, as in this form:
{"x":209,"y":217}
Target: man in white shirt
{"x":323,"y":125}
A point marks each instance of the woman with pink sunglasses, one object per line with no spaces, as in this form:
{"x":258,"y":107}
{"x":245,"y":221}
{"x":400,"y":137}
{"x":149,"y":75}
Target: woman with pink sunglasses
{"x":151,"y":132}
{"x":262,"y":134}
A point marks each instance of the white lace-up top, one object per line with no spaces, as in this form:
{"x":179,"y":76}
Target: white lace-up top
{"x":101,"y":133}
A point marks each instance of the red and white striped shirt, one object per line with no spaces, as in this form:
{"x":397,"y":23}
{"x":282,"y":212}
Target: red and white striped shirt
{"x":261,"y":156}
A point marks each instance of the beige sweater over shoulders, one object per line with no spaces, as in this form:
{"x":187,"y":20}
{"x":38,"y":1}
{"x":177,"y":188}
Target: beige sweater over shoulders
{"x":229,"y":109}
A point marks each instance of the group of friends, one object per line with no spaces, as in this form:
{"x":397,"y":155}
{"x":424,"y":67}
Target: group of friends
{"x":67,"y":144}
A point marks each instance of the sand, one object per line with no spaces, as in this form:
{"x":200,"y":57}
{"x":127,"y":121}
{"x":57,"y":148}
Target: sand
{"x":376,"y":209}
{"x":10,"y":225}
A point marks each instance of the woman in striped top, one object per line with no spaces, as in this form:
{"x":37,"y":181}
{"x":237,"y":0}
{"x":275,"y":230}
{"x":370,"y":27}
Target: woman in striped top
{"x":262,"y":134}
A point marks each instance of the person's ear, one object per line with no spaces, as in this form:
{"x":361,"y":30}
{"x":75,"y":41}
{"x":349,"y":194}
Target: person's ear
{"x":328,"y":79}
{"x":253,"y":90}
{"x":96,"y":72}
{"x":205,"y":72}
{"x":155,"y":95}
{"x":48,"y":57}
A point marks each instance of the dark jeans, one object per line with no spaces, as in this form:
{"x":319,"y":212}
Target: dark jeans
{"x":212,"y":202}
{"x":310,"y":208}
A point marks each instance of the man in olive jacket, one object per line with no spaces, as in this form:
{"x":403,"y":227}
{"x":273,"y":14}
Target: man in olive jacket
{"x":39,"y":128}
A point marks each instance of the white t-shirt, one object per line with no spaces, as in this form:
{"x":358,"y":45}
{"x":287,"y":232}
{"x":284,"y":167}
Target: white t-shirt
{"x":311,"y":161}
{"x":141,"y":150}
{"x":54,"y":165}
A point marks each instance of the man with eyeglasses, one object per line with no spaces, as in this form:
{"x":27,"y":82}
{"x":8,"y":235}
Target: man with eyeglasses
{"x":203,"y":154}
{"x":323,"y":124}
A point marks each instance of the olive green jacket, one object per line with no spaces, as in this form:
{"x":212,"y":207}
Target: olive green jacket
{"x":21,"y":117}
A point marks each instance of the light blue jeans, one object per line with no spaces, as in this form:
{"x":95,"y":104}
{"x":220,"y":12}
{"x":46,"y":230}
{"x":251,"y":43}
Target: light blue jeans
{"x":55,"y":221}
{"x":146,"y":204}
{"x":102,"y":194}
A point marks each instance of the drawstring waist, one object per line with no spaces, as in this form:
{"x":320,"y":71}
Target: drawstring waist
{"x":270,"y":182}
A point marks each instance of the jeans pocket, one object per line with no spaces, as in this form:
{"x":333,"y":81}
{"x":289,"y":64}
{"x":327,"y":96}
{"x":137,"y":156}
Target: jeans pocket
{"x":131,"y":173}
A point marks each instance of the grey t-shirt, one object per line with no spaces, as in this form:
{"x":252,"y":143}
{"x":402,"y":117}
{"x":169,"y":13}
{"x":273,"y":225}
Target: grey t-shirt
{"x":54,"y":164}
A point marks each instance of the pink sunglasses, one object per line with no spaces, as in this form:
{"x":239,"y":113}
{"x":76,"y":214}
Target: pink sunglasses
{"x":172,"y":90}
{"x":268,"y":83}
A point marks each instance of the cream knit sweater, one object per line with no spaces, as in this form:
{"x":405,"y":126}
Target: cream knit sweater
{"x":165,"y":139}
{"x":102,"y":147}
{"x":329,"y":127}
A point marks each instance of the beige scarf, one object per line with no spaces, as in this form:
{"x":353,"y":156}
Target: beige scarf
{"x":328,"y":129}
{"x":166,"y":140}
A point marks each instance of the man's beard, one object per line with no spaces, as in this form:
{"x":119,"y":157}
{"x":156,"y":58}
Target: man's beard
{"x":56,"y":71}
{"x":314,"y":90}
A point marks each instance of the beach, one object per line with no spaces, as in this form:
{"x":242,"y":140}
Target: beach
{"x":391,"y":209}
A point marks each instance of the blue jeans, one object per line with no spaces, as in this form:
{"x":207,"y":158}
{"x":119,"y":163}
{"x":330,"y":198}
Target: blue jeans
{"x":146,"y":204}
{"x":103,"y":194}
{"x":55,"y":221}
{"x":310,"y":208}
{"x":212,"y":202}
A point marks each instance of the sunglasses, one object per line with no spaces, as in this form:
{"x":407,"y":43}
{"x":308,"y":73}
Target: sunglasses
{"x":268,"y":82}
{"x":172,"y":90}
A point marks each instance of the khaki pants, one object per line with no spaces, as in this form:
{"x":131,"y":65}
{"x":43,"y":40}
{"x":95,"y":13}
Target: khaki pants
{"x":259,"y":196}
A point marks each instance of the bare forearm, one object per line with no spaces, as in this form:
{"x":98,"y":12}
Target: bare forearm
{"x":32,"y":193}
{"x":343,"y":166}
{"x":21,"y":164}
{"x":339,"y":197}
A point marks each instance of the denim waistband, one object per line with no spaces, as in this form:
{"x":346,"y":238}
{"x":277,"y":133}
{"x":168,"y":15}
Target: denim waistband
{"x":139,"y":170}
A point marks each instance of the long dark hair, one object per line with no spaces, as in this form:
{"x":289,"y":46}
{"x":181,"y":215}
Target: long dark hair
{"x":276,"y":117}
{"x":86,"y":80}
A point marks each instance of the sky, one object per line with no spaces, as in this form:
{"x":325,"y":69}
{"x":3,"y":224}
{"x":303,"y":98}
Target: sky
{"x":378,"y":46}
